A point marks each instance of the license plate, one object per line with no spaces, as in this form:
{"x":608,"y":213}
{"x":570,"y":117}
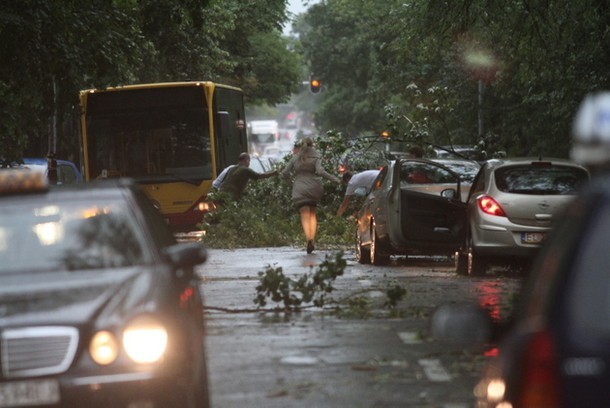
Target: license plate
{"x":532,"y":237}
{"x":29,"y":393}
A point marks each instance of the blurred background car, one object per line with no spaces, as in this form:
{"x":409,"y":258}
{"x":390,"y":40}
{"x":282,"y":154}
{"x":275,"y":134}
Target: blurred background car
{"x":554,"y":348}
{"x":67,"y":171}
{"x":511,"y":207}
{"x":466,"y":169}
{"x":261,"y":164}
{"x":459,"y":152}
{"x":414,"y":207}
{"x":100,"y":306}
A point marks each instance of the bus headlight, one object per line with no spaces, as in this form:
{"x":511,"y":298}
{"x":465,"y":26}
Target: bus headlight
{"x":206,"y":206}
{"x":104,"y":348}
{"x":145,"y":340}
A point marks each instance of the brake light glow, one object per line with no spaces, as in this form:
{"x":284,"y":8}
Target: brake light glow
{"x":540,"y":382}
{"x":490,"y":206}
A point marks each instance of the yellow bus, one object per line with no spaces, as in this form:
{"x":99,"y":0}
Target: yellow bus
{"x":173,"y":138}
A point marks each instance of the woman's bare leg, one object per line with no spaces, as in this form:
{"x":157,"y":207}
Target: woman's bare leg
{"x":313,"y":223}
{"x":305,"y":213}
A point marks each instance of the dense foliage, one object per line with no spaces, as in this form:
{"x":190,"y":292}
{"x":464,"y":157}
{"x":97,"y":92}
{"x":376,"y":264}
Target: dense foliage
{"x":507,"y":73}
{"x":52,"y":49}
{"x":265,"y":215}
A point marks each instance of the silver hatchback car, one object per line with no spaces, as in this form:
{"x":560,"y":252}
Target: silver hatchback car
{"x":511,"y":207}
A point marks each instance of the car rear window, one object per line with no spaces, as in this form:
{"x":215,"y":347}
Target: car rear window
{"x":68,"y":236}
{"x":540,"y":179}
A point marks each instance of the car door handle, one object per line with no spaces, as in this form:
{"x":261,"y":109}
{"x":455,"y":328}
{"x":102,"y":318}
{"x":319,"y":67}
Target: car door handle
{"x":544,"y":217}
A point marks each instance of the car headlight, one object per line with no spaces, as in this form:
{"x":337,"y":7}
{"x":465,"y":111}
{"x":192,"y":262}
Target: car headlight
{"x":145,"y":340}
{"x":104,"y":348}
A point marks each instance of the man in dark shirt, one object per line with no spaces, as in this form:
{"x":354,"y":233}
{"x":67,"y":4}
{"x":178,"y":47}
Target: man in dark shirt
{"x":237,"y":178}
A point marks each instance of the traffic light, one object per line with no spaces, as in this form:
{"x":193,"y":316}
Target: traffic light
{"x":315,"y":85}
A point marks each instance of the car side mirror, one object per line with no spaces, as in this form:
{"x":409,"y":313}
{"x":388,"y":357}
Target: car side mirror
{"x":186,"y":255}
{"x":462,"y":323}
{"x":360,"y":191}
{"x":449,"y":193}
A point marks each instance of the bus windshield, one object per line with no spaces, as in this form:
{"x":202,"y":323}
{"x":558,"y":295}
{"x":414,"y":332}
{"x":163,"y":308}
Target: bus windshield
{"x":152,"y":134}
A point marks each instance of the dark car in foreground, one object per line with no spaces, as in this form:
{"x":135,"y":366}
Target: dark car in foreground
{"x":414,"y":207}
{"x":511,"y":207}
{"x":99,"y":306}
{"x":554,"y":350}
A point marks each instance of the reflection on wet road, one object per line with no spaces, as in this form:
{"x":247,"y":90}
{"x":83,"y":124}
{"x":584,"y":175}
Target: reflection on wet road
{"x":329,"y":358}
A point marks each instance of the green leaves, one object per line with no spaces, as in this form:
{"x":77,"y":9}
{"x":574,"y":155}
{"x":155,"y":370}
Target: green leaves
{"x":315,"y":288}
{"x":52,"y":50}
{"x":306,"y":289}
{"x":535,"y":62}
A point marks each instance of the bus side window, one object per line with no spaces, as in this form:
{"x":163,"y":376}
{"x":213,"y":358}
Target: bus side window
{"x":224,"y":134}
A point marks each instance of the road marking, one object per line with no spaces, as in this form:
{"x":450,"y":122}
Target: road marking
{"x":410,"y":337}
{"x":434,"y":370}
{"x":298,"y":360}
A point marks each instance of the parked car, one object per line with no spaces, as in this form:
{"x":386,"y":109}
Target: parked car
{"x":261,"y":164}
{"x":460,"y":152}
{"x":511,"y":207}
{"x":466,"y":169}
{"x":100,"y":306}
{"x":413,"y":208}
{"x":554,"y":349}
{"x":67,"y":171}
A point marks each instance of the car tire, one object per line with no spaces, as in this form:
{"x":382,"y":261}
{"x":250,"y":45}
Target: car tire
{"x":198,"y":392}
{"x":461,"y":262}
{"x":363,"y":255}
{"x":476,"y":264}
{"x":376,"y":252}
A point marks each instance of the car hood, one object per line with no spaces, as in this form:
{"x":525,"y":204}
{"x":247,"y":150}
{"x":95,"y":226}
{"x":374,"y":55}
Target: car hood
{"x":74,"y":298}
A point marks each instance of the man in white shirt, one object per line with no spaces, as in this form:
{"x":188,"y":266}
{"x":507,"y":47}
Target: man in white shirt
{"x":218,"y":180}
{"x":363,"y":179}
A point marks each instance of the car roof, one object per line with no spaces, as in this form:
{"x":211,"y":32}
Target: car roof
{"x":24,"y":182}
{"x":495,"y":163}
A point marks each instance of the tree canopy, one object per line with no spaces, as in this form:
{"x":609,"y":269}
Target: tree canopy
{"x":509,"y":74}
{"x":52,"y":50}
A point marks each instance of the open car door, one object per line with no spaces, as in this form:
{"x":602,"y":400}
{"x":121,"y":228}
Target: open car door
{"x":431,"y":212}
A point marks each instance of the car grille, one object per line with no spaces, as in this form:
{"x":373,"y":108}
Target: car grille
{"x":36,"y":351}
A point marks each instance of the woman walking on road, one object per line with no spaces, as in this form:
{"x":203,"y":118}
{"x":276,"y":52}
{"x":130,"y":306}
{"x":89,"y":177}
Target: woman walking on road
{"x":307,"y":187}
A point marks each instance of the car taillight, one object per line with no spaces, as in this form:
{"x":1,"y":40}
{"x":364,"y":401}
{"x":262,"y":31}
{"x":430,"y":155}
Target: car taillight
{"x":490,"y":206}
{"x":540,"y":382}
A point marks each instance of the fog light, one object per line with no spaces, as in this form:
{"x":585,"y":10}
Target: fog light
{"x":104,"y":348}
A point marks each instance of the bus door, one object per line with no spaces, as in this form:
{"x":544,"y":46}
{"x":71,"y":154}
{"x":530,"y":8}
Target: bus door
{"x":229,"y":127}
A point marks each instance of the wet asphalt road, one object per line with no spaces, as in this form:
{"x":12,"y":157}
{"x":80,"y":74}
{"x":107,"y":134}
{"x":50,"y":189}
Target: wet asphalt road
{"x":321,"y":358}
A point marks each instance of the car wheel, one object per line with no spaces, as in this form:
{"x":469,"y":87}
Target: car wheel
{"x":363,"y":254}
{"x":461,"y":262}
{"x":376,"y":255}
{"x":477,"y":265}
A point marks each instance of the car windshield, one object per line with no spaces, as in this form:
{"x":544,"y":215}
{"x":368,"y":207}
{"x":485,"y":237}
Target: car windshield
{"x":548,"y":180}
{"x":466,"y":170}
{"x":38,"y":237}
{"x":412,"y":172}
